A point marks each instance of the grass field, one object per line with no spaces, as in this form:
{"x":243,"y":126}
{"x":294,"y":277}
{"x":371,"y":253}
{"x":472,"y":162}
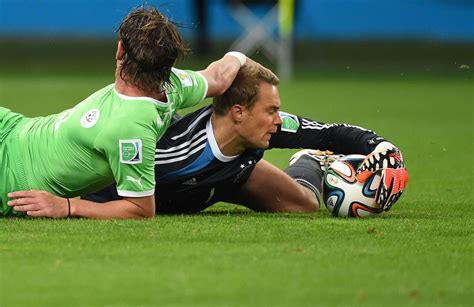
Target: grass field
{"x":420,"y":253}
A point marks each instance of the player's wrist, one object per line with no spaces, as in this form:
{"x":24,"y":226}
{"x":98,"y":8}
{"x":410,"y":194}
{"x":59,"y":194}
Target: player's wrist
{"x":72,"y":207}
{"x":68,"y":207}
{"x":239,"y":56}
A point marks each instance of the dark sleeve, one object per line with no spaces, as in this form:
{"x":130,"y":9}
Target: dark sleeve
{"x":107,"y":194}
{"x":299,"y":132}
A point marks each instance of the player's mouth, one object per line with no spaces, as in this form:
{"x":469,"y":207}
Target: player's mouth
{"x":269,"y":135}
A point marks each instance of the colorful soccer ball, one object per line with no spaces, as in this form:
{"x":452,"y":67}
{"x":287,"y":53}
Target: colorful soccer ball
{"x":343,"y":195}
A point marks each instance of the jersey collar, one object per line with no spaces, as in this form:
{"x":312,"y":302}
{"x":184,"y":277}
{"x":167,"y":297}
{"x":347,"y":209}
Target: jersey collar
{"x":214,"y":146}
{"x":143,"y":98}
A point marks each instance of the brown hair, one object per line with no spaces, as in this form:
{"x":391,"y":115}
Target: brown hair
{"x":245,"y":88}
{"x":151,"y":45}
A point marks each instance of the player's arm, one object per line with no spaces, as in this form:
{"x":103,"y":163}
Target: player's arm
{"x":221,"y":73}
{"x":44,"y":204}
{"x":299,"y":132}
{"x":127,"y":208}
{"x":382,"y":156}
{"x":194,"y":86}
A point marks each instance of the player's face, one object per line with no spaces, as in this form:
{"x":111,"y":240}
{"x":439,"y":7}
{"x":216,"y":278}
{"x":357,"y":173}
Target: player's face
{"x":263,"y":119}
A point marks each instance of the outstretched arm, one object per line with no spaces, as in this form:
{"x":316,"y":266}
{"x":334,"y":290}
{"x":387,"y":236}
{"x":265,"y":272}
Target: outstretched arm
{"x":44,"y":204}
{"x":299,"y":132}
{"x":382,"y":156}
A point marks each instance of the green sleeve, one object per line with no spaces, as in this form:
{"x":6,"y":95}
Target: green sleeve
{"x":190,"y":85}
{"x":130,"y":150}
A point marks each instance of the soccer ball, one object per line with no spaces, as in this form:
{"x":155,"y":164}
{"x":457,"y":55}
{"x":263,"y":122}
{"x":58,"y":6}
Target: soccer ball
{"x":343,"y":195}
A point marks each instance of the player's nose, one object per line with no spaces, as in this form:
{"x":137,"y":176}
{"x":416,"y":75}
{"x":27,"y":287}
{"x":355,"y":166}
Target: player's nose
{"x":277,"y":119}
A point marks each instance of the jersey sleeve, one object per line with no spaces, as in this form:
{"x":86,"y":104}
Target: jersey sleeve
{"x":130,"y":150}
{"x":190,"y":85}
{"x":299,"y":132}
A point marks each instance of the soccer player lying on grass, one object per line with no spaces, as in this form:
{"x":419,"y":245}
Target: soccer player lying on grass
{"x":110,"y":136}
{"x":215,"y":154}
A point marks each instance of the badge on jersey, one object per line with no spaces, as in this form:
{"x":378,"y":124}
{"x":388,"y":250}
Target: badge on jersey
{"x":184,"y":77}
{"x":90,"y":118}
{"x":130,"y":151}
{"x":289,"y":122}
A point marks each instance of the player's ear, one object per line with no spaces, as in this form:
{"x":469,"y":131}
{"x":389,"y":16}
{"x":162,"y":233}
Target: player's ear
{"x":119,"y":54}
{"x":236,"y":112}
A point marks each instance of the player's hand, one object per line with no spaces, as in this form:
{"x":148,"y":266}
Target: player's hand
{"x":39,"y":204}
{"x":388,"y":161}
{"x":392,"y":184}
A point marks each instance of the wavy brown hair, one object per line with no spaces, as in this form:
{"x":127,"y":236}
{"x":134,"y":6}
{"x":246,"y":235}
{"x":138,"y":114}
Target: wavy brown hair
{"x":151,"y":45}
{"x":245,"y":88}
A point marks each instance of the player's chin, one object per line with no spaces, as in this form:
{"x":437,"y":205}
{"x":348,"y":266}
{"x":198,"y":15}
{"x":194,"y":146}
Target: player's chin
{"x":264,"y":144}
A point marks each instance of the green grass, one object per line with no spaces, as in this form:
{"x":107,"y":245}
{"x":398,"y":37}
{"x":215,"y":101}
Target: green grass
{"x":420,"y":253}
{"x":237,"y":259}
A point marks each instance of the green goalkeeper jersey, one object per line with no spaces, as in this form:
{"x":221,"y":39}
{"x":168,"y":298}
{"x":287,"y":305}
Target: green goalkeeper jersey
{"x":107,"y":137}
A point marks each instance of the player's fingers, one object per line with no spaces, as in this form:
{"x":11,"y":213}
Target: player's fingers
{"x":25,"y":208}
{"x":36,"y":213}
{"x":396,"y":176}
{"x":21,"y":201}
{"x":23,"y":194}
{"x":393,"y":200}
{"x":381,"y":198}
{"x":385,"y":189}
{"x":401,"y":178}
{"x":379,"y":190}
{"x":389,"y":203}
{"x":389,"y":176}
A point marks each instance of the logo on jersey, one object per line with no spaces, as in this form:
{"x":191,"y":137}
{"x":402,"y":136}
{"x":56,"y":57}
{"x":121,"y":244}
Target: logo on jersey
{"x":90,"y":118}
{"x":135,"y":180}
{"x":184,"y":77}
{"x":192,"y":181}
{"x":289,"y":122}
{"x":130,"y":151}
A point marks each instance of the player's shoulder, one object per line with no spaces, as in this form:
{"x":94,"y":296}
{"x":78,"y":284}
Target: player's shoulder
{"x":189,"y":127}
{"x":183,"y":78}
{"x":197,"y":119}
{"x":121,"y":110}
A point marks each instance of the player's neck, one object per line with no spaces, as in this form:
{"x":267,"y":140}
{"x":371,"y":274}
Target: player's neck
{"x":226,"y":136}
{"x":131,"y":90}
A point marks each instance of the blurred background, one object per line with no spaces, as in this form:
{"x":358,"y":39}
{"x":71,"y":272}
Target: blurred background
{"x":313,"y":36}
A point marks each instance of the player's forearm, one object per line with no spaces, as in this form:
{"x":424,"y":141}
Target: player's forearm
{"x":221,"y":73}
{"x":37,"y":203}
{"x":339,"y":138}
{"x":118,"y":209}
